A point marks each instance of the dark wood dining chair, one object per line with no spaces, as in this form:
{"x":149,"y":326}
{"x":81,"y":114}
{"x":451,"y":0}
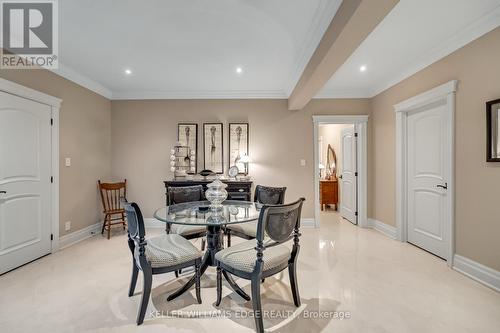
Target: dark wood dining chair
{"x":181,"y":194}
{"x":265,"y":195}
{"x":157,"y":255}
{"x":112,"y":195}
{"x":265,"y":256}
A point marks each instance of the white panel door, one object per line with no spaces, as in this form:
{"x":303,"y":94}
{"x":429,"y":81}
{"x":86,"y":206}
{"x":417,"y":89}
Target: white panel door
{"x":25,"y":171}
{"x":348,"y":195}
{"x":427,"y":179}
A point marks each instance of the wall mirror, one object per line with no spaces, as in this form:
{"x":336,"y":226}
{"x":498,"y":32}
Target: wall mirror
{"x":331,"y":163}
{"x":493,"y":131}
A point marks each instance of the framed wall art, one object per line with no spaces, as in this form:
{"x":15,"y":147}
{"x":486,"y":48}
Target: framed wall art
{"x":493,"y":131}
{"x":213,"y":147}
{"x":238,"y":144}
{"x":187,"y":135}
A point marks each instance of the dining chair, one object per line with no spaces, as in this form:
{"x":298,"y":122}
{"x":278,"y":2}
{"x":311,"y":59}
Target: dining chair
{"x":111,"y":195}
{"x":265,"y":195}
{"x":177,"y":195}
{"x":157,"y":255}
{"x":266,"y":255}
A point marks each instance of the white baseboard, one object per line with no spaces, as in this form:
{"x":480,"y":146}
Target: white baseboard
{"x":79,"y":235}
{"x":476,"y":271}
{"x":386,"y":229}
{"x":308,"y":222}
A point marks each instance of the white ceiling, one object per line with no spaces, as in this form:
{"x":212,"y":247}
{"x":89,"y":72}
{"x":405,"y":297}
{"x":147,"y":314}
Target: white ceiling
{"x":190,"y":48}
{"x":415,"y":34}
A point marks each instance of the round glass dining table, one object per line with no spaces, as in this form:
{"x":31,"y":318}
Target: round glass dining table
{"x":198,"y":213}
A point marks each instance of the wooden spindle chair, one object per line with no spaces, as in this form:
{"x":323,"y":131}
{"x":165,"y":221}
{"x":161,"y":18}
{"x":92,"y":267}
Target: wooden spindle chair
{"x":112,"y":194}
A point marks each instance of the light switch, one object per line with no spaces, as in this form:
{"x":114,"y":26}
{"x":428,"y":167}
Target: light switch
{"x":67,"y":161}
{"x":302,"y":162}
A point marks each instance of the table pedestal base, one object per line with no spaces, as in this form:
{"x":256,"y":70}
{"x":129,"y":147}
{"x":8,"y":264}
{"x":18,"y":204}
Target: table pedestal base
{"x":214,"y":245}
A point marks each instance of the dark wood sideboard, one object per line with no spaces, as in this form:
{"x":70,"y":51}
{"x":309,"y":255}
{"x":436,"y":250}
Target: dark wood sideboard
{"x":329,"y":193}
{"x":236,"y":189}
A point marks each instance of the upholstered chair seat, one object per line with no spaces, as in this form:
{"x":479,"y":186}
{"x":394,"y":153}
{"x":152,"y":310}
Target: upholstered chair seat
{"x":242,"y":256}
{"x":249,"y":229}
{"x":170,"y":250}
{"x":187,"y":230}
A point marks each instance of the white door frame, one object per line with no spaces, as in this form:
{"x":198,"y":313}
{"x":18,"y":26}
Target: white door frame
{"x":446,"y":93}
{"x":360,"y":126}
{"x":55,"y":104}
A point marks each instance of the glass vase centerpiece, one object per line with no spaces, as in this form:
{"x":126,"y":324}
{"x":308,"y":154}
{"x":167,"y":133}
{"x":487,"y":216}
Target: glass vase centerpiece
{"x":216,"y":193}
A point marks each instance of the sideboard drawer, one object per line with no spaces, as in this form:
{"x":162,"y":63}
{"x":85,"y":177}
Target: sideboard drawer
{"x":243,"y":196}
{"x":237,"y":187}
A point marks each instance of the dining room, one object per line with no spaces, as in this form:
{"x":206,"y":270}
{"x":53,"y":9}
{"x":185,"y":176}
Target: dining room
{"x":249,"y":166}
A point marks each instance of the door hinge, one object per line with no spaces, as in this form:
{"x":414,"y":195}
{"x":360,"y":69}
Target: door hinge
{"x":51,"y":121}
{"x":51,"y":236}
{"x":355,"y":135}
{"x":356,"y":174}
{"x":51,"y":179}
{"x":356,"y":213}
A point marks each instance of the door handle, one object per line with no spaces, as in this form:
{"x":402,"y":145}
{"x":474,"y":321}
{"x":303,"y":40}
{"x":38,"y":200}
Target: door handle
{"x":445,"y":186}
{"x":340,"y":177}
{"x":3,"y":192}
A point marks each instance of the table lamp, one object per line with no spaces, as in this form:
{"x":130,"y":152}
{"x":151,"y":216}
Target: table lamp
{"x":245,"y":159}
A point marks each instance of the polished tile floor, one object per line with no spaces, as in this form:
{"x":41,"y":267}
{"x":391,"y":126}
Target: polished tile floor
{"x":351,"y":280}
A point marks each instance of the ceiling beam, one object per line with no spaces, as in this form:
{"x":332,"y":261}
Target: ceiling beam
{"x":353,"y":22}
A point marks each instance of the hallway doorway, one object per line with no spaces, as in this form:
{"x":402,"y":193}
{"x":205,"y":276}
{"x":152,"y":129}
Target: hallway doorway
{"x":340,"y":156}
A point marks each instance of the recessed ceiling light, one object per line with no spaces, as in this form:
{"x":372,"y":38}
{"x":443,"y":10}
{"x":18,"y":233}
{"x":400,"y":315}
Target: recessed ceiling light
{"x":362,"y":68}
{"x":239,"y":70}
{"x":128,"y":71}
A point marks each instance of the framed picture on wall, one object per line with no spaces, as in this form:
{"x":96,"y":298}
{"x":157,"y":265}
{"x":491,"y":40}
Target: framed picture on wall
{"x":493,"y":131}
{"x":212,"y":147}
{"x":238,"y":144}
{"x":187,"y":135}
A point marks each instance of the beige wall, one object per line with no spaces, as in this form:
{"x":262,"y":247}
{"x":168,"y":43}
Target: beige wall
{"x":476,"y":67}
{"x":85,"y":123}
{"x":144,"y":131}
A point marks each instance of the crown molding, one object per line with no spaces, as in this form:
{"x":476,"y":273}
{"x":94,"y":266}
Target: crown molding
{"x":463,"y":37}
{"x":322,"y":19}
{"x":82,"y":80}
{"x":343,"y":93}
{"x":200,"y":94}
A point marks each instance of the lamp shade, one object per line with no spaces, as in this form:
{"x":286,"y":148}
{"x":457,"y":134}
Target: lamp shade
{"x":245,"y":159}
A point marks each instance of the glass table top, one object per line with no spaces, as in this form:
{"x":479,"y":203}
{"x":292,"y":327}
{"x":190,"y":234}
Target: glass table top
{"x":199,"y":213}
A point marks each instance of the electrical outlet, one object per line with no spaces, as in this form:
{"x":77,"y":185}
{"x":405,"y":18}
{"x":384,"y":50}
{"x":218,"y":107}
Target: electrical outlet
{"x":67,"y":226}
{"x":302,"y":162}
{"x":67,"y":161}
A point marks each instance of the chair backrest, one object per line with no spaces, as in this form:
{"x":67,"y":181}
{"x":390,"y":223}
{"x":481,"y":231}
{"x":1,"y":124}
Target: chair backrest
{"x":176,"y":195}
{"x":136,"y":230}
{"x":111,"y":194}
{"x":279,"y":222}
{"x":269,"y":195}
